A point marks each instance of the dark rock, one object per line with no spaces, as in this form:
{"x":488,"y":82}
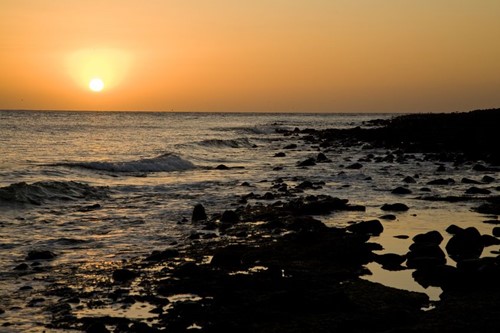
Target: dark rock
{"x":389,"y":217}
{"x":280,"y":154}
{"x":229,"y":256}
{"x":229,"y":216}
{"x":496,"y":231}
{"x":466,"y":244}
{"x":478,"y":265}
{"x":435,"y":275}
{"x":140,"y":327}
{"x":390,"y":261}
{"x":479,"y":167}
{"x":306,"y":224}
{"x":401,"y":190}
{"x":372,"y":227}
{"x":268,"y":196}
{"x":321,"y":158}
{"x":448,"y":181}
{"x":430,"y":238}
{"x":354,"y":166}
{"x":122,"y":275}
{"x":305,"y":185}
{"x":422,"y":263}
{"x":492,"y":221}
{"x":2,"y":311}
{"x":222,"y":167}
{"x":425,"y":189}
{"x":489,"y":208}
{"x":402,"y":236}
{"x":308,"y":162}
{"x":21,"y":267}
{"x":290,"y":146}
{"x":470,"y":181}
{"x":409,"y":180}
{"x":441,"y":168}
{"x":36,"y":301}
{"x":454,"y":229}
{"x":477,"y":190}
{"x":74,"y":300}
{"x":96,"y":327}
{"x":319,"y":205}
{"x":488,"y":179}
{"x":199,"y":213}
{"x":40,"y":255}
{"x":188,"y":270}
{"x":246,"y":184}
{"x":90,"y":208}
{"x":163,"y":255}
{"x":489,"y":240}
{"x":397,"y":207}
{"x":422,"y":256}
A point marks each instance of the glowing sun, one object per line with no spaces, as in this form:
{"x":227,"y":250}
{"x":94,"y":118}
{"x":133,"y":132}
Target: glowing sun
{"x":96,"y":84}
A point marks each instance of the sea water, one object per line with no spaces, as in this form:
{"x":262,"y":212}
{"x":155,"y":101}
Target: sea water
{"x":101,"y":187}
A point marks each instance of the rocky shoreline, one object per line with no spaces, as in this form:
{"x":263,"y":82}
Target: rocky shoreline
{"x":272,"y":265}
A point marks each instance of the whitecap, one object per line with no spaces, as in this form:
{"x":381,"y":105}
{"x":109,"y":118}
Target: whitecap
{"x":163,"y":163}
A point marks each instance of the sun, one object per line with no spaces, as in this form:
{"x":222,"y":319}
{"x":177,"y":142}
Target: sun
{"x":96,"y":84}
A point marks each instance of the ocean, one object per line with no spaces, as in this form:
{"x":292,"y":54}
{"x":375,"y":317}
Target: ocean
{"x":103,"y":187}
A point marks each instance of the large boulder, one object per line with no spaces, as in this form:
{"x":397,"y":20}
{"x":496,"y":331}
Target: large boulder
{"x":390,"y":261}
{"x":122,"y":275}
{"x":321,"y":158}
{"x":453,"y":229}
{"x":229,"y":216}
{"x":401,"y":190}
{"x":423,"y":256}
{"x":477,"y":190}
{"x":372,"y":227}
{"x":199,"y":213}
{"x":397,"y":207}
{"x":430,"y":238}
{"x":470,"y":181}
{"x":466,"y":244}
{"x":306,"y":224}
{"x":40,"y":255}
{"x":409,"y":180}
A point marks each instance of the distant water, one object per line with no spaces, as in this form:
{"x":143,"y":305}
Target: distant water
{"x":144,"y":170}
{"x":96,"y":187}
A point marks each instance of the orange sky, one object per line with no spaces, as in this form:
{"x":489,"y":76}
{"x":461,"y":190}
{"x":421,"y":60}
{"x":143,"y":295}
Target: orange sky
{"x":259,"y":55}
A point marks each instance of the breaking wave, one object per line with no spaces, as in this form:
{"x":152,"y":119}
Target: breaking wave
{"x":39,"y":192}
{"x":234,"y":143}
{"x":263,"y":129}
{"x":162,"y":163}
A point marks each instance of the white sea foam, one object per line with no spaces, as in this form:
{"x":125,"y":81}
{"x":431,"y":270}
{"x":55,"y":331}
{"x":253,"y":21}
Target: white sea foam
{"x":163,"y":163}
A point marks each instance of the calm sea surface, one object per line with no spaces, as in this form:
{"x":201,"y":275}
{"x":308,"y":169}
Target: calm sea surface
{"x":96,"y":187}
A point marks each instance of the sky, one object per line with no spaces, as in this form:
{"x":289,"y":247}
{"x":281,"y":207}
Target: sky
{"x":250,"y":56}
